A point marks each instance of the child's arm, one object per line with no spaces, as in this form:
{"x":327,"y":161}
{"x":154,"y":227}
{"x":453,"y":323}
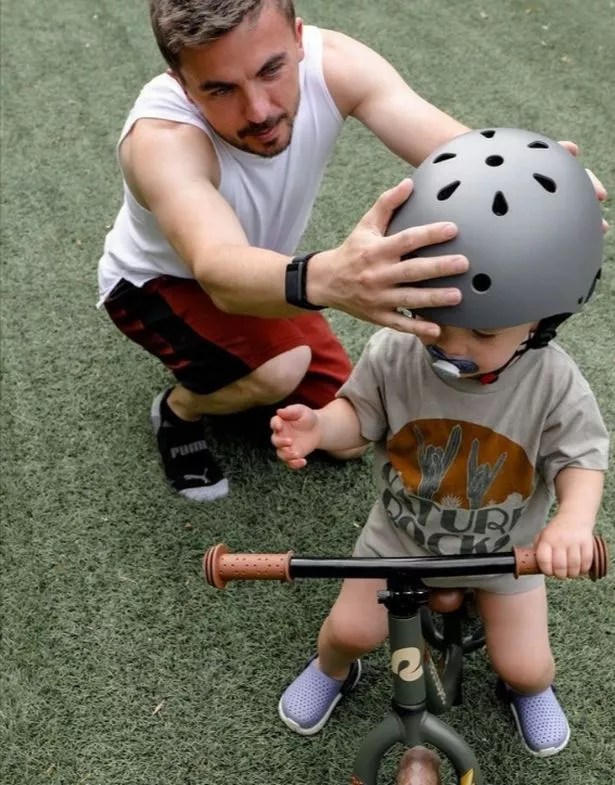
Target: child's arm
{"x":564,"y":548}
{"x":297,"y":430}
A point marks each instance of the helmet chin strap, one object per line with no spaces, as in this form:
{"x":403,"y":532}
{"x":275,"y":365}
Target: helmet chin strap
{"x":454,"y":367}
{"x":544,"y":333}
{"x":492,"y":376}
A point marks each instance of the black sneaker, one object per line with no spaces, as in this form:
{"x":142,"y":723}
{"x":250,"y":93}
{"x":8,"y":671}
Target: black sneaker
{"x":188,"y":463}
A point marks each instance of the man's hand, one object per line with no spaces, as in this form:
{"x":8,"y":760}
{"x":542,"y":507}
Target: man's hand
{"x":365,"y":277}
{"x":565,"y":547}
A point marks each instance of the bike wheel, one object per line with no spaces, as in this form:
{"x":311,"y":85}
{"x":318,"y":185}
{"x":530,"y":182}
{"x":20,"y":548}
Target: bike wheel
{"x":419,"y":766}
{"x":440,"y":632}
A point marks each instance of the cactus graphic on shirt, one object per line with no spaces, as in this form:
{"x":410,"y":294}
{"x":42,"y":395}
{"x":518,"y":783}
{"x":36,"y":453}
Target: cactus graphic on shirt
{"x":480,"y":478}
{"x":434,"y":462}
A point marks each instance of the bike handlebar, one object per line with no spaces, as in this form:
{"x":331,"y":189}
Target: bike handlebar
{"x":221,"y":566}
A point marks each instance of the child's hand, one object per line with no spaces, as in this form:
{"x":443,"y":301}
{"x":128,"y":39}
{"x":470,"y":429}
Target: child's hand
{"x":295,"y":433}
{"x":565,"y":547}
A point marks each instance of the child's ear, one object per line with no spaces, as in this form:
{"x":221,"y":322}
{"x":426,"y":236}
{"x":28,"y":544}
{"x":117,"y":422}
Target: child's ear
{"x":534,"y":326}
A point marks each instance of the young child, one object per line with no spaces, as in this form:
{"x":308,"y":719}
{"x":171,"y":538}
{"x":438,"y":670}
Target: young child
{"x":473,"y":434}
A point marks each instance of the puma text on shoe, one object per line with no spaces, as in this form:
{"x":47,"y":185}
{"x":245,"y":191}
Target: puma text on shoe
{"x":189,"y":465}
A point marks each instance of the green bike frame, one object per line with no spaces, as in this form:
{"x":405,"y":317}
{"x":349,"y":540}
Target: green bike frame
{"x":419,"y":693}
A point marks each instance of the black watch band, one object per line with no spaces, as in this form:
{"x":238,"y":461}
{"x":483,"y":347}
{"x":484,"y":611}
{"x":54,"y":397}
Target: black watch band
{"x":295,"y":282}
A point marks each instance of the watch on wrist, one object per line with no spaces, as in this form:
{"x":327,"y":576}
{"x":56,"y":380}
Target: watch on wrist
{"x":295,"y":283}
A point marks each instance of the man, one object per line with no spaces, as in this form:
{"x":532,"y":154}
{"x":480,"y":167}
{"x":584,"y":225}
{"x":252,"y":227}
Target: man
{"x":222,"y":159}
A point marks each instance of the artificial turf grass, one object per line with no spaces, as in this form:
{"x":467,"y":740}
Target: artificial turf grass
{"x":118,"y":664}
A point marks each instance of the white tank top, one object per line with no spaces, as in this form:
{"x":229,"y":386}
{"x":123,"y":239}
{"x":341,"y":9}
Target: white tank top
{"x":272,"y":197}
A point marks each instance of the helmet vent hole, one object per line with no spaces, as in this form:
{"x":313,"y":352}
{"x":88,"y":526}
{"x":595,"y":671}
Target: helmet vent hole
{"x":448,"y":190}
{"x":538,"y":145}
{"x":494,"y":160}
{"x":481,"y":282}
{"x":500,"y":205}
{"x":488,"y":134}
{"x":547,"y":183}
{"x":580,"y":301}
{"x":444,"y":157}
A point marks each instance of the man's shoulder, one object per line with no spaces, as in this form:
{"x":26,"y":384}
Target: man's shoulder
{"x":337,"y":48}
{"x":162,"y":87}
{"x":344,"y":63}
{"x":163,"y":103}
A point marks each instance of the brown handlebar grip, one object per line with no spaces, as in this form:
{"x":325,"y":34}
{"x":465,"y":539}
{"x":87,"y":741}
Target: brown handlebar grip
{"x":526,"y":564}
{"x":600,"y":563}
{"x":220,"y":566}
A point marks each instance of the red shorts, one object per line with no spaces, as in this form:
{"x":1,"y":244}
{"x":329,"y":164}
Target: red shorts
{"x":207,"y":349}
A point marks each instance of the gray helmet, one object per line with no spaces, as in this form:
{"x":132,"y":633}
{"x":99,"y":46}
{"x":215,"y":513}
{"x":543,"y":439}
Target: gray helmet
{"x":529,"y":223}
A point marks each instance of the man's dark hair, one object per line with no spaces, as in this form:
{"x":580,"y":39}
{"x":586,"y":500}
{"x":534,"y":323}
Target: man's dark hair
{"x":180,"y":24}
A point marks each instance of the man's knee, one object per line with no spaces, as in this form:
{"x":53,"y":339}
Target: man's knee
{"x":279,"y":377}
{"x":271,"y":382}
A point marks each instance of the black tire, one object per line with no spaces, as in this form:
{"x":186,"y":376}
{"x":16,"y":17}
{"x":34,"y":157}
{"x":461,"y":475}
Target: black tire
{"x":419,"y":766}
{"x":471,"y":635}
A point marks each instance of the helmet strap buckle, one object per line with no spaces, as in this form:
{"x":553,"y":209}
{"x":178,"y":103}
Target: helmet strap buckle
{"x":489,"y":378}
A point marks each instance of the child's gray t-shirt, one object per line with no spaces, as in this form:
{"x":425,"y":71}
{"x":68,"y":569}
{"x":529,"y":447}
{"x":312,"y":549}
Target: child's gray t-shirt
{"x":463,"y":467}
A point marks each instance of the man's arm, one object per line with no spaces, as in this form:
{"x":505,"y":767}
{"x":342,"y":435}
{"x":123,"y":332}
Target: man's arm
{"x":364,"y":85}
{"x":173,"y":171}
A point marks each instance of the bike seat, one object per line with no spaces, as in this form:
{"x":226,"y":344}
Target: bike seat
{"x":446,"y":600}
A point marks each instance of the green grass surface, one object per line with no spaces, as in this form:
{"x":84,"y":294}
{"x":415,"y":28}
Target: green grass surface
{"x":119,"y":665}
